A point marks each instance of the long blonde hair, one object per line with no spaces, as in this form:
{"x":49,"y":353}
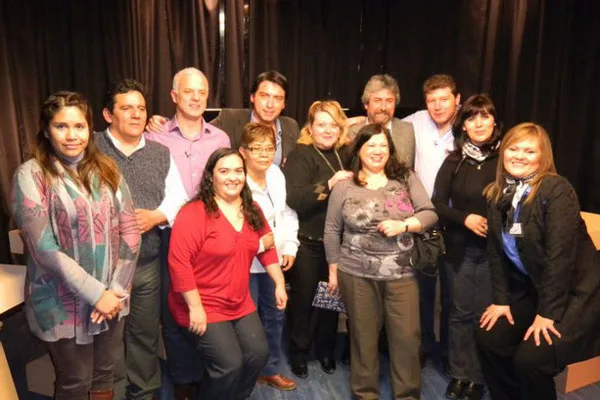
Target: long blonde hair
{"x":525,"y":130}
{"x":332,"y":108}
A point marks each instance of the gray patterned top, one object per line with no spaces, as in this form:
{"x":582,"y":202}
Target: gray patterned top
{"x":351,"y":236}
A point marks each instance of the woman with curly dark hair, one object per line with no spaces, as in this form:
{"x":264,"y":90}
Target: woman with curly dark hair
{"x":369,"y":242}
{"x":215,"y":237}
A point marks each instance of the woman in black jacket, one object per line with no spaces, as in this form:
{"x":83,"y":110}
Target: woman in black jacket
{"x":311,"y":171}
{"x":459,"y":201}
{"x":545,"y":270}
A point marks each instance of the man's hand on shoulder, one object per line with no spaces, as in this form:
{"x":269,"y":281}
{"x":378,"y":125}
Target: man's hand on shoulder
{"x":148,"y":219}
{"x":156,"y":124}
{"x":359,"y":120}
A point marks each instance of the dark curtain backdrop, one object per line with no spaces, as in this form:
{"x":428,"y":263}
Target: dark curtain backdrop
{"x":539,"y":60}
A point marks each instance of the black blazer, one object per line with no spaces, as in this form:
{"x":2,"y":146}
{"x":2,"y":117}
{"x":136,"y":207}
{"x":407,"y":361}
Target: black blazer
{"x":562,"y":263}
{"x":232,"y":121}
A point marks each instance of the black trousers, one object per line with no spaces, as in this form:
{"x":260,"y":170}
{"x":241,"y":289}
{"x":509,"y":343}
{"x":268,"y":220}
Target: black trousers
{"x":427,"y":291}
{"x":184,"y":364}
{"x":137,"y":370}
{"x":512,"y":368}
{"x":305,"y":322}
{"x":234,"y":353}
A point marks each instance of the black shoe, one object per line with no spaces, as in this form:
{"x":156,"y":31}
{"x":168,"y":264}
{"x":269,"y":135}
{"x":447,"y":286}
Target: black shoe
{"x":455,"y":389}
{"x":300,"y":369}
{"x":446,"y":365}
{"x":345,"y":357}
{"x":327,"y":365}
{"x":473,"y":391}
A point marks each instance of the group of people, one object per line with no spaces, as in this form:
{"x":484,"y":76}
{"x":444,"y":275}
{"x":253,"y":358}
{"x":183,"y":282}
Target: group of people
{"x":219,"y":233}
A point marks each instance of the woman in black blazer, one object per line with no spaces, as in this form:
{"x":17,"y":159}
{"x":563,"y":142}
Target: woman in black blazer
{"x":545,"y":273}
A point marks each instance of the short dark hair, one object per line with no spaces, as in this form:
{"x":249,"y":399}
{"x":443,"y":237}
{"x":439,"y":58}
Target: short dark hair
{"x":257,"y":130}
{"x":121,"y":87}
{"x":271,"y":76}
{"x":476,"y":104}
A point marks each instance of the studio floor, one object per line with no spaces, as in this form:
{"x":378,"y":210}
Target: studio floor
{"x":33,"y":374}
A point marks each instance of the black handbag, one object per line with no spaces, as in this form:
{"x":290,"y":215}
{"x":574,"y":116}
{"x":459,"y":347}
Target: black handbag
{"x":429,"y":246}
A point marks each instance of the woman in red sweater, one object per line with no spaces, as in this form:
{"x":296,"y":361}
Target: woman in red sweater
{"x":214,"y":240}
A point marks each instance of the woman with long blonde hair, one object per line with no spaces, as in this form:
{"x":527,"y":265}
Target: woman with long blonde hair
{"x":545,"y":273}
{"x":312,"y":170}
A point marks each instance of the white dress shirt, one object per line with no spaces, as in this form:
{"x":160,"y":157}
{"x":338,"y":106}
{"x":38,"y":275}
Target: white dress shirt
{"x":431,"y":148}
{"x":281,"y":218}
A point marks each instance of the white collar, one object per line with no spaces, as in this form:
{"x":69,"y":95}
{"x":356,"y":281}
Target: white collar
{"x":119,"y":146}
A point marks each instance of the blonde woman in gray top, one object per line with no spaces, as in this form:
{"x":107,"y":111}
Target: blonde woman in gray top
{"x":369,"y":244}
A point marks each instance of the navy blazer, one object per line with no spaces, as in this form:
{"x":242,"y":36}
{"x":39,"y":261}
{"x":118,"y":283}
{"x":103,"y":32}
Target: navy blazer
{"x":562,"y":265}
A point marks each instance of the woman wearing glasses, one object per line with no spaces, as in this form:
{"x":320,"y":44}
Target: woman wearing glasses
{"x":312,"y":170}
{"x":267,"y":183}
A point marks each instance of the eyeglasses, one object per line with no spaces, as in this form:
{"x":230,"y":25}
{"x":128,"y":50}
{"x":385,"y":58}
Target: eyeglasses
{"x":257,"y":150}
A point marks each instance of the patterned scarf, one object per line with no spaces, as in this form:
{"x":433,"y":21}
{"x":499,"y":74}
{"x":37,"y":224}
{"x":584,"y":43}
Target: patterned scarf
{"x":512,"y":194}
{"x":475,"y":152}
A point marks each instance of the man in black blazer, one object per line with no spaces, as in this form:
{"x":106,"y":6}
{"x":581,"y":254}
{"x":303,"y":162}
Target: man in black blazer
{"x":268,"y":95}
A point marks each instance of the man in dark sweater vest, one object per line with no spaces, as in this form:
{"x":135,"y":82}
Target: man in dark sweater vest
{"x":158,"y":193}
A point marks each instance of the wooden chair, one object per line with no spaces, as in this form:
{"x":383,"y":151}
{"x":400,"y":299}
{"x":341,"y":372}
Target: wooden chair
{"x":12,"y":281}
{"x":587,"y":372}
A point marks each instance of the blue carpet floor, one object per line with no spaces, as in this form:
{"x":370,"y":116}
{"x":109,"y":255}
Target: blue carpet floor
{"x":21,"y":348}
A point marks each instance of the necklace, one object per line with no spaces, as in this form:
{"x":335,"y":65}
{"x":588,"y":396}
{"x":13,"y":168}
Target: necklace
{"x":327,"y":161}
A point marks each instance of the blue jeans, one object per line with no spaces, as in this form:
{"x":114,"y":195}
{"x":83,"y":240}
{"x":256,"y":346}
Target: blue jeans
{"x":184,"y":363}
{"x":262,"y":290}
{"x":470,"y":294}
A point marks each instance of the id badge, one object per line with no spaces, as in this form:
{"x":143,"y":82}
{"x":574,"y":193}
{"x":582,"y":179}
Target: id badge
{"x":516,"y":229}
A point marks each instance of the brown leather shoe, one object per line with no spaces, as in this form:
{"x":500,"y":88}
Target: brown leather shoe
{"x":101,"y":394}
{"x":278,"y":381}
{"x":183,"y":392}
